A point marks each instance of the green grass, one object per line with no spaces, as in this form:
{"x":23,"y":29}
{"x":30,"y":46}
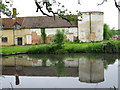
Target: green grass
{"x":14,"y":49}
{"x":108,"y":46}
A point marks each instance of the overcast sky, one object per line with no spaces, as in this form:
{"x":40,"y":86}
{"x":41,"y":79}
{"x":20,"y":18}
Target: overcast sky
{"x":28,"y":8}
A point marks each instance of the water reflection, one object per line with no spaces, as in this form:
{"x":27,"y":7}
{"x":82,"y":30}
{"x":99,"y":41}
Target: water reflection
{"x":91,"y":71}
{"x":88,"y":67}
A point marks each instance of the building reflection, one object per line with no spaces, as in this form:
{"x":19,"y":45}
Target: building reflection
{"x":90,"y":71}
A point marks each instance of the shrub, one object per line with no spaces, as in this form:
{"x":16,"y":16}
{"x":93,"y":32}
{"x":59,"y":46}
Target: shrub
{"x":109,"y":47}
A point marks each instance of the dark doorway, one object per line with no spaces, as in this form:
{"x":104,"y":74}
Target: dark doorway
{"x":19,"y":39}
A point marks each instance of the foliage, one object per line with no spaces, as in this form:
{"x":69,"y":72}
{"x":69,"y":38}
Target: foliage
{"x":114,"y":32}
{"x":58,"y":38}
{"x":58,"y":42}
{"x":55,"y":48}
{"x":5,"y":10}
{"x":43,"y":35}
{"x":61,"y":11}
{"x":106,"y":33}
{"x":110,"y":46}
{"x":67,"y":41}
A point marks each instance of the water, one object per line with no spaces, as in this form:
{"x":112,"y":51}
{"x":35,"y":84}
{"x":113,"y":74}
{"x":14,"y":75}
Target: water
{"x":60,"y":71}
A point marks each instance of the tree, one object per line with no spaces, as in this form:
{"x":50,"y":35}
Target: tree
{"x":43,"y":35}
{"x":63,"y":13}
{"x":58,"y":38}
{"x":57,"y":46}
{"x":106,"y":32}
{"x":4,"y":9}
{"x":48,"y":4}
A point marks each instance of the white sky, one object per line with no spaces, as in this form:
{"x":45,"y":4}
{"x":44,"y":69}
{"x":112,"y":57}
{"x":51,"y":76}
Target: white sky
{"x":28,"y":8}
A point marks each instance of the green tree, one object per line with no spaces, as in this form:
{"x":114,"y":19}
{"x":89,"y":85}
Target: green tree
{"x":58,"y":38}
{"x":61,"y":10}
{"x":106,"y":33}
{"x":43,"y":35}
{"x":5,"y":10}
{"x":57,"y":47}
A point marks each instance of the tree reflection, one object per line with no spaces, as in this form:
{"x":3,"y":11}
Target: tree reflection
{"x":58,"y":65}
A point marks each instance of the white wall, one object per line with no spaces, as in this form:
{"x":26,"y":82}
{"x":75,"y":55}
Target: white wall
{"x":91,"y":27}
{"x":52,"y":31}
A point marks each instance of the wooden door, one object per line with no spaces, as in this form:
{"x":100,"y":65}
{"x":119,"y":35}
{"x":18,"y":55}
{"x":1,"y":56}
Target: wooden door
{"x":19,"y":39}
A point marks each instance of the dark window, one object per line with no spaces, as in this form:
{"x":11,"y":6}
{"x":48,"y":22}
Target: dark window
{"x":4,"y":39}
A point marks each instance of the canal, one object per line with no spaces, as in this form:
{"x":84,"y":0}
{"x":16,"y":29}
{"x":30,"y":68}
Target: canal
{"x":60,"y":71}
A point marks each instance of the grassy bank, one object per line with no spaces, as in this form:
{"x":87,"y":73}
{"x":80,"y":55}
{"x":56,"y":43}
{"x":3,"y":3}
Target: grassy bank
{"x":111,"y":46}
{"x":14,"y":49}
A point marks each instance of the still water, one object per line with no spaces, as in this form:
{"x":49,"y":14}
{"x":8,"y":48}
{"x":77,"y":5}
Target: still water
{"x":60,"y":71}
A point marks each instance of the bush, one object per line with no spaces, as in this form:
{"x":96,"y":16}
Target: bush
{"x":58,"y":38}
{"x":109,"y":48}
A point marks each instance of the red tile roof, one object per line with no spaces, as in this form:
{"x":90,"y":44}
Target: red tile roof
{"x":8,"y":23}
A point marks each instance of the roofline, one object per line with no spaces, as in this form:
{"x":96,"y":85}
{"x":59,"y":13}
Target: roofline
{"x":41,"y":27}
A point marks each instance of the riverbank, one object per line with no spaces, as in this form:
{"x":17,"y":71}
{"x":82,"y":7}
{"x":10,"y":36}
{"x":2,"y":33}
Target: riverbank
{"x":110,"y":46}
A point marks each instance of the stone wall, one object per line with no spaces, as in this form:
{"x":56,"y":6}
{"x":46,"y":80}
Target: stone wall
{"x":71,"y":33}
{"x":91,"y":27}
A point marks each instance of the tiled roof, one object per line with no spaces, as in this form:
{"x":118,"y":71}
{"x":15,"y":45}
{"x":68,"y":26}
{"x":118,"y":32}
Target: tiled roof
{"x":8,"y":23}
{"x":47,"y":22}
{"x":37,"y":22}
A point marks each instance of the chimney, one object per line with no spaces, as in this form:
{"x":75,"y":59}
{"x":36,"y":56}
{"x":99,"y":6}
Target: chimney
{"x":14,"y":13}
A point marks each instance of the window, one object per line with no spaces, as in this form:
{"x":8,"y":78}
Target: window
{"x":4,"y":39}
